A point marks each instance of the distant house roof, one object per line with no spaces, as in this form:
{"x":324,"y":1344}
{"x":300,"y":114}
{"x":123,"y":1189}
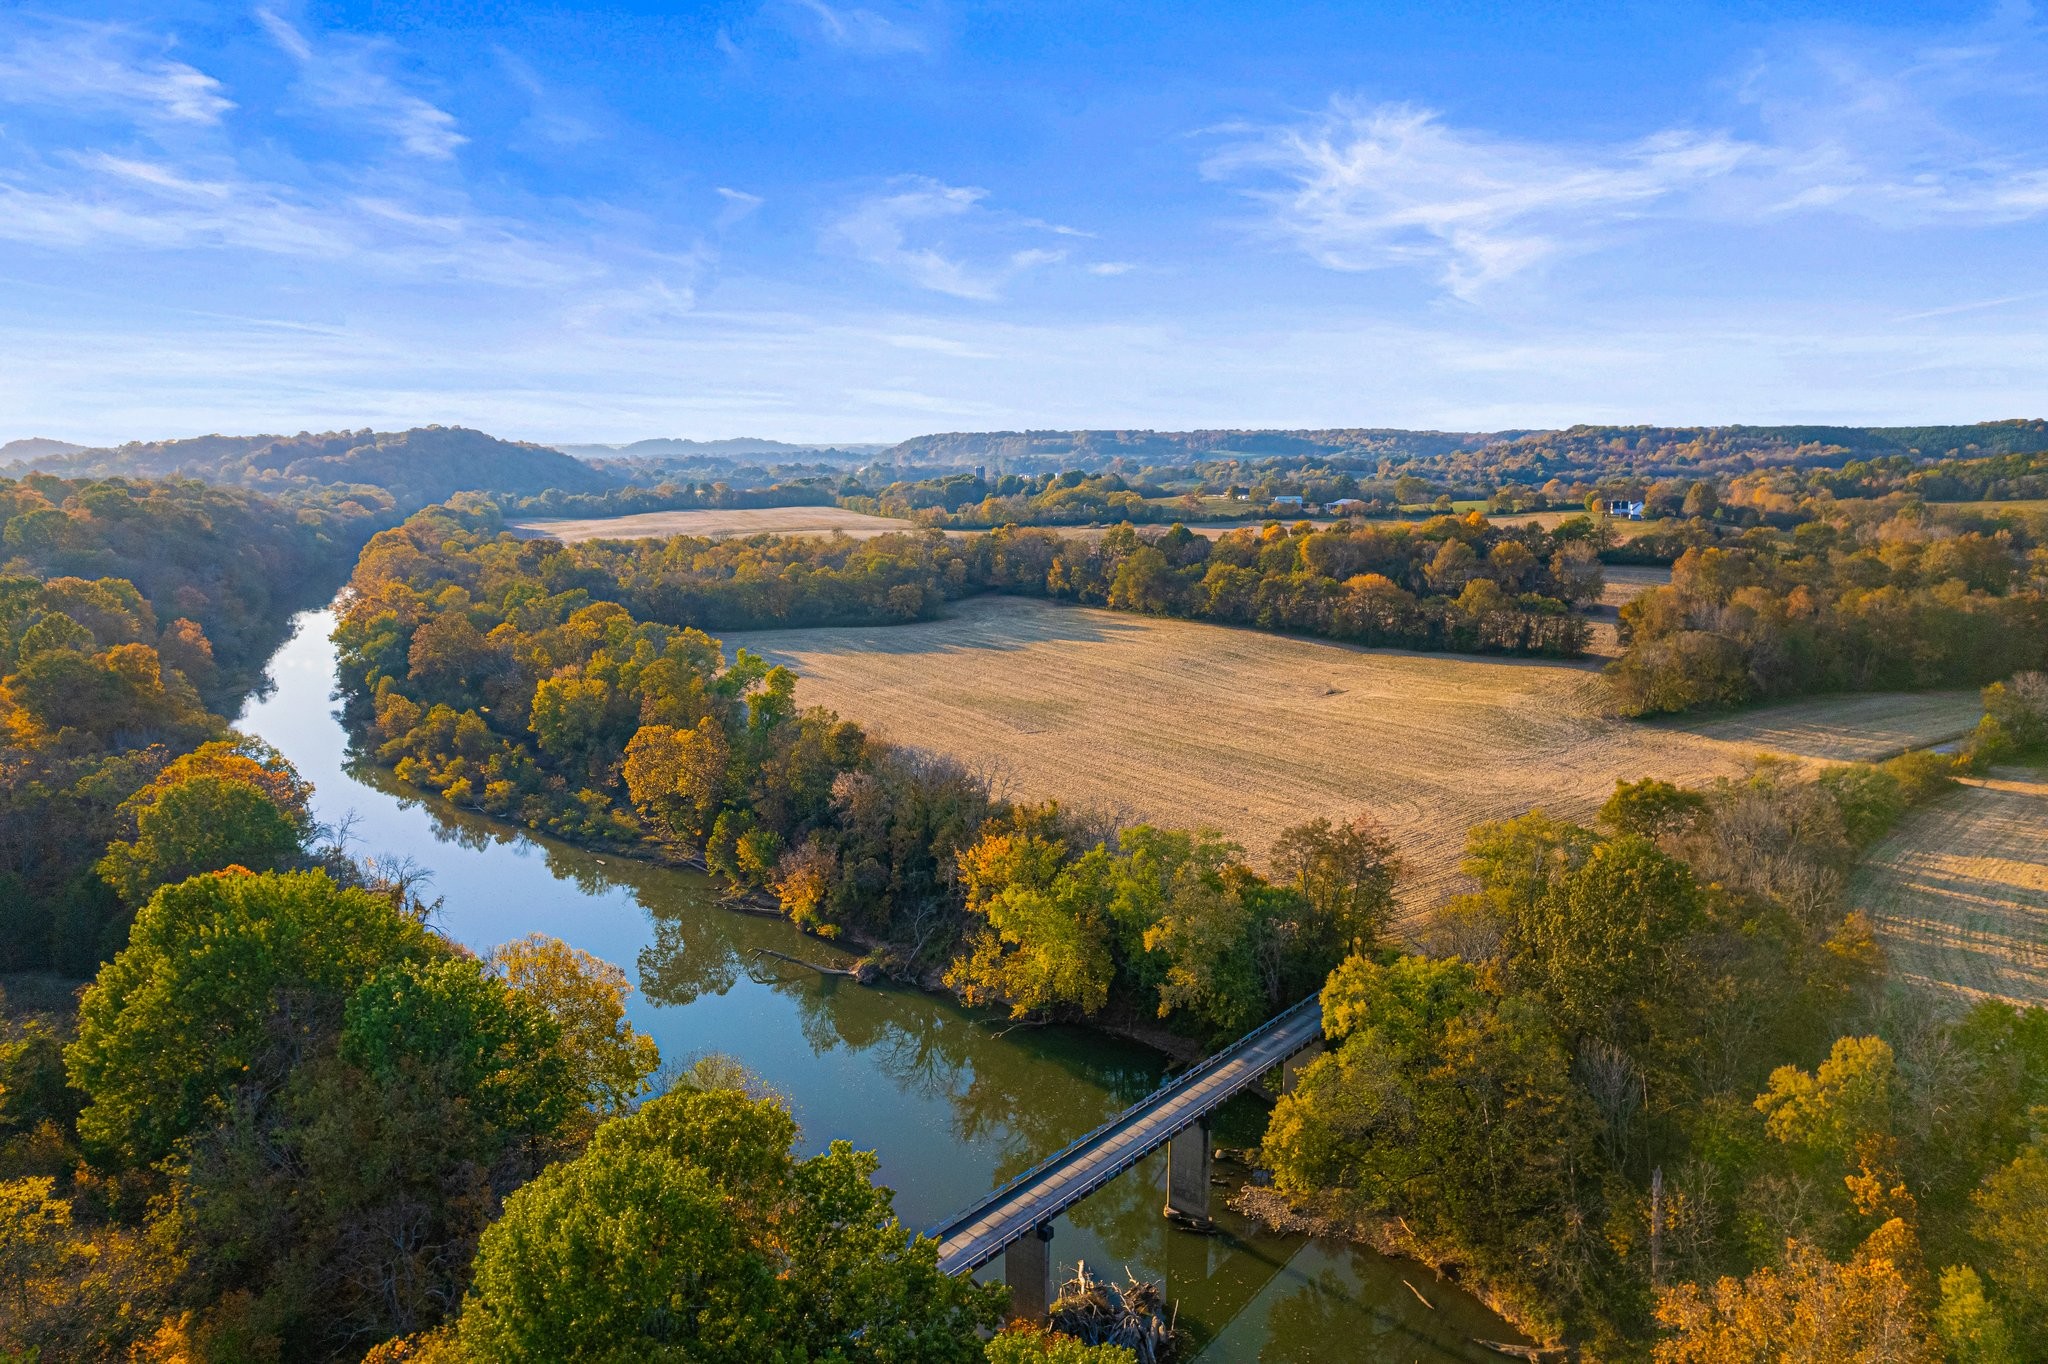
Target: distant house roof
{"x":1287,"y":500}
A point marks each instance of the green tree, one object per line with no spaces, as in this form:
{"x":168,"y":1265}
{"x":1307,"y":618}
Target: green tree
{"x":1969,"y":1324}
{"x":1144,"y":582}
{"x":202,"y":821}
{"x":1454,"y":1110}
{"x":1024,"y":1343}
{"x":1651,"y":808}
{"x":734,"y":1250}
{"x":1046,"y":940}
{"x":2012,"y":1222}
{"x":1598,"y":926}
{"x":212,"y":964}
{"x":500,"y":1051}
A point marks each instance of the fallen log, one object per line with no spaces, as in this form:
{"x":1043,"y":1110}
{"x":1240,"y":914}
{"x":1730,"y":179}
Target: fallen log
{"x":1534,"y":1354}
{"x":860,"y":971}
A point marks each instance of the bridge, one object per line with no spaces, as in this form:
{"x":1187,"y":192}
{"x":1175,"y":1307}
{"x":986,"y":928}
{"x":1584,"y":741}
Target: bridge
{"x":1016,"y":1219}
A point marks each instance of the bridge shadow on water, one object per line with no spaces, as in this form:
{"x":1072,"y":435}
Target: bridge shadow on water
{"x":1246,"y":1293}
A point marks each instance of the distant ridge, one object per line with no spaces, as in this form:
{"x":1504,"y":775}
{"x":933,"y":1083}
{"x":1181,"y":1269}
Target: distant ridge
{"x":37,"y":447}
{"x":732,"y":446}
{"x":1560,"y":448}
{"x":418,"y":466}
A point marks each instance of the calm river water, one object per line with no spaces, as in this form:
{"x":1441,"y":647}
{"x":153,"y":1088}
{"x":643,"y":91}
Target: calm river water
{"x":952,"y":1103}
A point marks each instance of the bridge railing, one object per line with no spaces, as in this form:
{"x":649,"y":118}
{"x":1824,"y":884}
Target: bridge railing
{"x":1185,"y":1080}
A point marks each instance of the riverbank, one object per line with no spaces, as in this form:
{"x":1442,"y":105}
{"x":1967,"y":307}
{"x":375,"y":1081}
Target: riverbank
{"x":952,"y":1106}
{"x":1392,"y":1238}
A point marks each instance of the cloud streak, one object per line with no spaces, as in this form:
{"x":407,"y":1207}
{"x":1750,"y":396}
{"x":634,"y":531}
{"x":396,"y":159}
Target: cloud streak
{"x":1363,"y":187}
{"x":341,"y":79}
{"x":105,"y":68}
{"x":861,"y":30}
{"x":887,"y":230}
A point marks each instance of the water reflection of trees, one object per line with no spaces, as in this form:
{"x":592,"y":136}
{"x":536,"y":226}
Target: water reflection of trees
{"x":1371,"y":1307}
{"x":1026,"y":1092}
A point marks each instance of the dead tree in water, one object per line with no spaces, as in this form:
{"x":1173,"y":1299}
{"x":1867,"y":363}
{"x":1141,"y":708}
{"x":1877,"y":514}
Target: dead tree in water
{"x":1133,"y":1315}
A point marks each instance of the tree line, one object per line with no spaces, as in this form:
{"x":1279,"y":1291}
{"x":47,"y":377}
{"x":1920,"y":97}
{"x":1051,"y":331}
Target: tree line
{"x":1460,"y":583}
{"x":1857,"y":601}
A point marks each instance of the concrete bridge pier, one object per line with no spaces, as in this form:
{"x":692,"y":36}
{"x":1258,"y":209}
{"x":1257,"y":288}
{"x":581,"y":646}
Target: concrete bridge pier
{"x":1291,"y":1068}
{"x":1189,"y":1157}
{"x":1027,"y":1266}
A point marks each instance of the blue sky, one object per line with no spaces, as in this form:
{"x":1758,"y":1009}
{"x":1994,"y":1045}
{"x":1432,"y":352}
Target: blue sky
{"x":865,"y":220}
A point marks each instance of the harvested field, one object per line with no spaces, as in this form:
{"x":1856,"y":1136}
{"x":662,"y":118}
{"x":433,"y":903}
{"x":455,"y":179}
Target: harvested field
{"x":1197,"y":725}
{"x":1959,"y":891}
{"x":716,"y":525}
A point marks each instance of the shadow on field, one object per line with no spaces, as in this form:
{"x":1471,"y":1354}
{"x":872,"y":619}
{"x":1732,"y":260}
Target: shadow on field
{"x":978,"y":624}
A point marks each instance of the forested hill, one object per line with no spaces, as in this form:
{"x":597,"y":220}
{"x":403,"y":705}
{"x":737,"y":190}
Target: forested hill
{"x":1646,"y":450}
{"x":1056,"y":450}
{"x":420,"y":466}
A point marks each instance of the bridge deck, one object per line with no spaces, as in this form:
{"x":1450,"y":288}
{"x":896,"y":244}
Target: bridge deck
{"x":977,"y":1235}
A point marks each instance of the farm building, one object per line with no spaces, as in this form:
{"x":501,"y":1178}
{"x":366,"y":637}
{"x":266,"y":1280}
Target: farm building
{"x":1624,"y":509}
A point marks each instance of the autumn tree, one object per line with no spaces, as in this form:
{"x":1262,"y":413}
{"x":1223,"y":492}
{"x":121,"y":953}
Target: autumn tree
{"x":677,"y":777}
{"x":1346,"y":873}
{"x":1812,"y":1309}
{"x":227,"y":803}
{"x":608,"y":1062}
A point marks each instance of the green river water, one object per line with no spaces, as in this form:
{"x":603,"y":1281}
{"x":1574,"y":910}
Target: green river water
{"x":954,"y":1104}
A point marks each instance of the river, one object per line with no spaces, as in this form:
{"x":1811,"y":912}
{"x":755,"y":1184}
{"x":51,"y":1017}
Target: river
{"x":952,"y":1103}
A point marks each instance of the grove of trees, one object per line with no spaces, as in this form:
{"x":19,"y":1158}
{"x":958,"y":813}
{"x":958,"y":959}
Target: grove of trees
{"x":131,"y":612}
{"x":1845,"y":603}
{"x":1648,"y":1088}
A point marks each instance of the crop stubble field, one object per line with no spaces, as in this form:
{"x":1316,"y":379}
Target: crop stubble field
{"x":1197,"y":725}
{"x":727,"y":523}
{"x":1959,"y":891}
{"x":717,"y":524}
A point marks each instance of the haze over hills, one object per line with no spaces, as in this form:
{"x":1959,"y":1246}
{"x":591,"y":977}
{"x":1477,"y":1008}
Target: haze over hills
{"x":422,"y":465}
{"x":37,"y":447}
{"x":429,"y":464}
{"x":734,"y":446}
{"x":1521,"y":450}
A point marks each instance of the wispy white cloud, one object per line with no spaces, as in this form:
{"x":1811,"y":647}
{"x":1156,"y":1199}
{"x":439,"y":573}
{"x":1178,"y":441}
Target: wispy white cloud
{"x":104,"y":67}
{"x":738,"y":204}
{"x":1973,"y":306}
{"x":858,"y":29}
{"x":968,"y":260}
{"x":341,"y":77}
{"x":1362,"y":187}
{"x":1822,"y":125}
{"x":551,"y":119}
{"x":1111,"y":267}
